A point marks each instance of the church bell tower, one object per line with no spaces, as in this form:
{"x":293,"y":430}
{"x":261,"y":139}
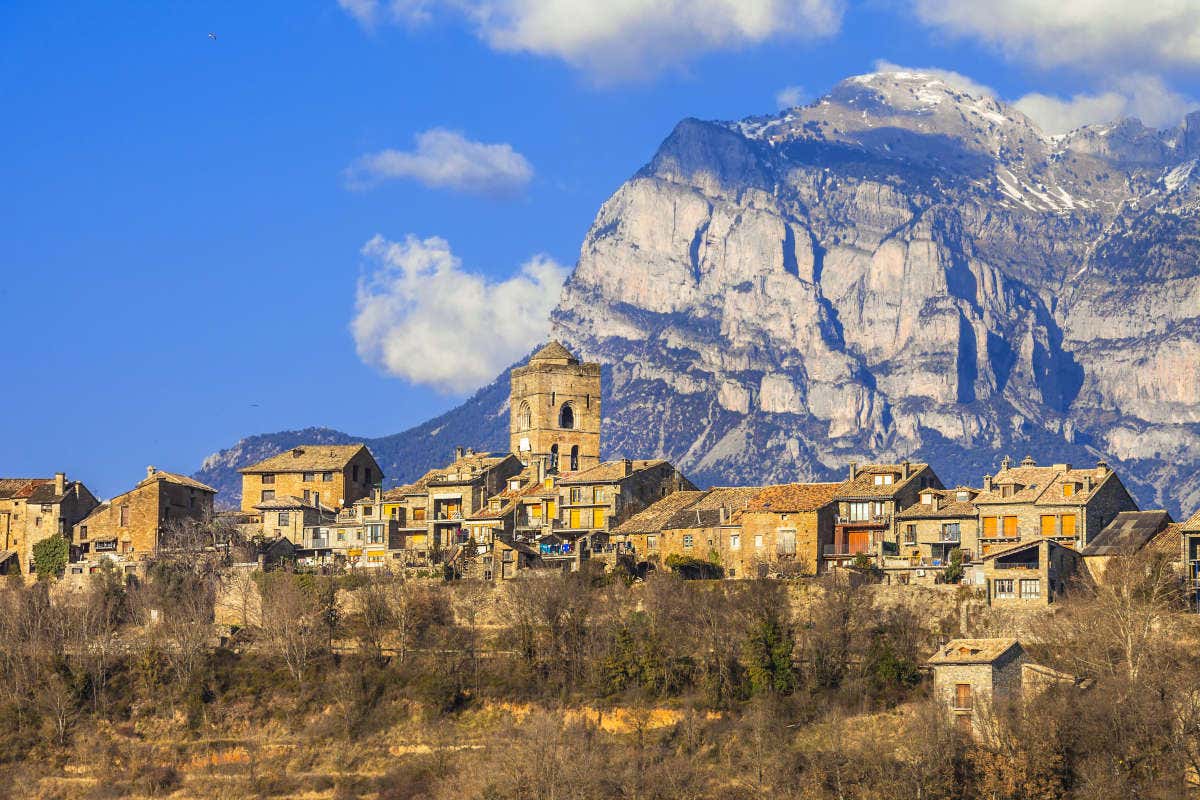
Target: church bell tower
{"x":555,"y":411}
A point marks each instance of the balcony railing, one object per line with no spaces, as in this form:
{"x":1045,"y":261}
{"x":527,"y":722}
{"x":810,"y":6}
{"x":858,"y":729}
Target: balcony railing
{"x":873,"y":520}
{"x":833,"y":551}
{"x":1016,"y":565}
{"x":318,"y":544}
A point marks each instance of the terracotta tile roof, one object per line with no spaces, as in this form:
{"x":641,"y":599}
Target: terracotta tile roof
{"x":1129,"y":532}
{"x":173,"y":477}
{"x":1169,"y":541}
{"x":793,"y":497}
{"x":288,"y":502}
{"x":20,"y":488}
{"x":608,"y":472}
{"x":717,"y":506}
{"x":1043,"y":485}
{"x":308,"y":458}
{"x":947,"y":506}
{"x":468,"y":469}
{"x":973,"y":651}
{"x":864,"y":486}
{"x":509,"y":499}
{"x":1193,"y":524}
{"x":652,"y":519}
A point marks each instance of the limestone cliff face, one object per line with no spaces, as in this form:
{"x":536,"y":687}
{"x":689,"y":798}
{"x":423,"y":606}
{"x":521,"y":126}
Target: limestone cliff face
{"x":901,"y":269}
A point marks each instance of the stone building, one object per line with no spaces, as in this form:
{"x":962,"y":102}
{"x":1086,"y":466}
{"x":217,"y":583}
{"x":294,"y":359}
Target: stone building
{"x":286,"y":517}
{"x":702,"y":538}
{"x":333,"y":475}
{"x":363,"y":535}
{"x":639,"y":535}
{"x":783,"y":531}
{"x":867,"y":504}
{"x":1031,"y":573}
{"x":929,"y":531}
{"x":130,"y":525}
{"x":555,"y":411}
{"x":971,"y":677}
{"x":1128,"y":533}
{"x":1058,"y":502}
{"x":598,"y":499}
{"x":1189,"y":534}
{"x":33,"y":509}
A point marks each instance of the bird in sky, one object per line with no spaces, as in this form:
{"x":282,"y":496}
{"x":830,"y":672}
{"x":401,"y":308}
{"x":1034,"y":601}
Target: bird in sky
{"x":212,"y":36}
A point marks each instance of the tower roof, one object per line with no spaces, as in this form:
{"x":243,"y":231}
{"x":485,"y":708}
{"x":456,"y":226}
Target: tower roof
{"x":554,"y":351}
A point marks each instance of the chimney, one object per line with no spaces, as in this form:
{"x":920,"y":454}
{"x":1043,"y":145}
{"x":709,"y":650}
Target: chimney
{"x":628,"y":466}
{"x":905,"y":470}
{"x":987,"y":483}
{"x":1087,"y":484}
{"x":1028,"y":462}
{"x":722,"y":513}
{"x":297,"y":452}
{"x":853,"y":470}
{"x":470,"y":451}
{"x":1101,"y":470}
{"x":151,"y":472}
{"x":458,"y":453}
{"x":1005,"y":463}
{"x":541,"y":470}
{"x":60,"y":484}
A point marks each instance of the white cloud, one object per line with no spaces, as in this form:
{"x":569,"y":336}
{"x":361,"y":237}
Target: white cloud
{"x":622,"y":39}
{"x":446,"y":159}
{"x":790,"y":97}
{"x":1146,"y":97}
{"x":420,"y":316}
{"x":1100,"y":35}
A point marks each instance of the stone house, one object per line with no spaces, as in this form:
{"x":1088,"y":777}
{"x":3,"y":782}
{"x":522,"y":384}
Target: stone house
{"x":1189,"y":536}
{"x":783,"y":531}
{"x":130,"y":526}
{"x":971,"y":677}
{"x":1058,"y":502}
{"x":554,"y":411}
{"x":362,"y":535}
{"x":930,"y":530}
{"x":333,"y":475}
{"x":639,"y":536}
{"x":33,"y":509}
{"x":597,"y":500}
{"x":1029,"y":573}
{"x":867,"y":504}
{"x":702,"y":539}
{"x":1128,"y":533}
{"x":286,"y":517}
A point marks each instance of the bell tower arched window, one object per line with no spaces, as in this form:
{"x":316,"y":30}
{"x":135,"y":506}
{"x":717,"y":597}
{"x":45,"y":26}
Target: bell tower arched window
{"x":566,"y":417}
{"x":553,"y":458}
{"x":574,"y":457}
{"x":525,"y":417}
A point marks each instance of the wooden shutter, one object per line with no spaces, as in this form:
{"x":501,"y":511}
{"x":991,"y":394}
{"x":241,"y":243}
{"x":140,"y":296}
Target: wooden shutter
{"x":1049,"y":526}
{"x":989,"y":527}
{"x":962,"y":695}
{"x":1010,"y":527}
{"x":1068,"y":525}
{"x":598,"y":518}
{"x":575,"y":518}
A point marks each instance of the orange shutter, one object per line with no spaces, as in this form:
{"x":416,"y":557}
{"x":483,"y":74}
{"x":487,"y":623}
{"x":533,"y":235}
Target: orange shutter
{"x":598,"y":518}
{"x":1049,"y":526}
{"x":575,"y":518}
{"x":1010,"y":527}
{"x":989,"y":527}
{"x":1068,"y":523}
{"x":1068,"y":490}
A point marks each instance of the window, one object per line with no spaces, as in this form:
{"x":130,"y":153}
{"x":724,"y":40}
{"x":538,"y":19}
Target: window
{"x":326,"y":477}
{"x":910,"y":534}
{"x":37,"y":522}
{"x":1068,"y":490}
{"x":308,"y":477}
{"x":1002,"y":587}
{"x":1010,"y":527}
{"x":375,"y":534}
{"x":317,"y":499}
{"x":574,"y":457}
{"x":268,"y":494}
{"x":598,"y":518}
{"x":83,"y":532}
{"x":735,"y":541}
{"x":652,"y":541}
{"x":962,"y":696}
{"x":285,"y":519}
{"x":514,"y":486}
{"x":354,"y":473}
{"x":576,"y":494}
{"x":125,"y":514}
{"x":418,"y":515}
{"x":553,"y":457}
{"x":1031,"y":588}
{"x":307,"y":496}
{"x":576,"y":521}
{"x":963,"y":497}
{"x":1006,"y":490}
{"x":566,"y":417}
{"x":927,"y":499}
{"x":758,"y":541}
{"x":884,"y":480}
{"x":268,"y":479}
{"x":989,"y":527}
{"x":535,"y":512}
{"x":732,"y":572}
{"x":341,"y":537}
{"x":951,"y":531}
{"x":859,"y":512}
{"x":368,"y":511}
{"x":687,"y":541}
{"x":785,"y":543}
{"x":524,"y":417}
{"x":1049,"y":525}
{"x":600,"y":494}
{"x":1068,"y":525}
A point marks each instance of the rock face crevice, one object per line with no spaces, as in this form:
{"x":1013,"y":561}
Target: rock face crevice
{"x":901,"y":268}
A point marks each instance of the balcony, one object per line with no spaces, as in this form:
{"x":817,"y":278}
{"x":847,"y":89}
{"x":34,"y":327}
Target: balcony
{"x":832,"y":551}
{"x":319,"y":544}
{"x":874,"y":521}
{"x":1016,"y":565}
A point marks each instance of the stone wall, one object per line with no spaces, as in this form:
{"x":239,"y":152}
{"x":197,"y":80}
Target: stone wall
{"x":540,"y":390}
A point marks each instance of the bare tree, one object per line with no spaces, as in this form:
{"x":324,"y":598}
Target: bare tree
{"x":291,"y":622}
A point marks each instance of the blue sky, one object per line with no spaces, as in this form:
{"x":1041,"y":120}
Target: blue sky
{"x":181,"y":241}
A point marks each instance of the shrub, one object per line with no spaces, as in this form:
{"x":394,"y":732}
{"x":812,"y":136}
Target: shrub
{"x":50,"y":557}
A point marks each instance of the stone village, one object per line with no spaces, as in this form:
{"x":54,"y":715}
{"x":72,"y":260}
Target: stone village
{"x":551,"y":503}
{"x":1019,"y":538}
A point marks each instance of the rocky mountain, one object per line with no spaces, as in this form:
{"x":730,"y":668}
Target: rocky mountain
{"x":901,"y":269}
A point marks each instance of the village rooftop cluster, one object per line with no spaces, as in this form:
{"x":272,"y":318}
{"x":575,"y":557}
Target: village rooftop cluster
{"x":550,"y":503}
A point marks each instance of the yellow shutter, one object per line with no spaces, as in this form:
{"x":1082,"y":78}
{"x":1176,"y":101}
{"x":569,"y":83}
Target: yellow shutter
{"x":535,"y":511}
{"x":1010,"y":527}
{"x":598,"y":518}
{"x":1049,"y":527}
{"x":1068,"y":490}
{"x":552,"y":509}
{"x":989,"y":527}
{"x":575,"y":518}
{"x":1068,"y":523}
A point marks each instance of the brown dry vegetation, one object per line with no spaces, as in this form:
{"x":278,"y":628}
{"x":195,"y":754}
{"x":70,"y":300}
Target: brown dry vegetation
{"x":574,"y":687}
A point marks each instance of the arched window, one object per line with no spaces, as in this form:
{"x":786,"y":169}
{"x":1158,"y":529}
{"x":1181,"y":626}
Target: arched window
{"x":553,"y":458}
{"x":566,"y":417}
{"x":525,"y":417}
{"x":574,"y":457}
